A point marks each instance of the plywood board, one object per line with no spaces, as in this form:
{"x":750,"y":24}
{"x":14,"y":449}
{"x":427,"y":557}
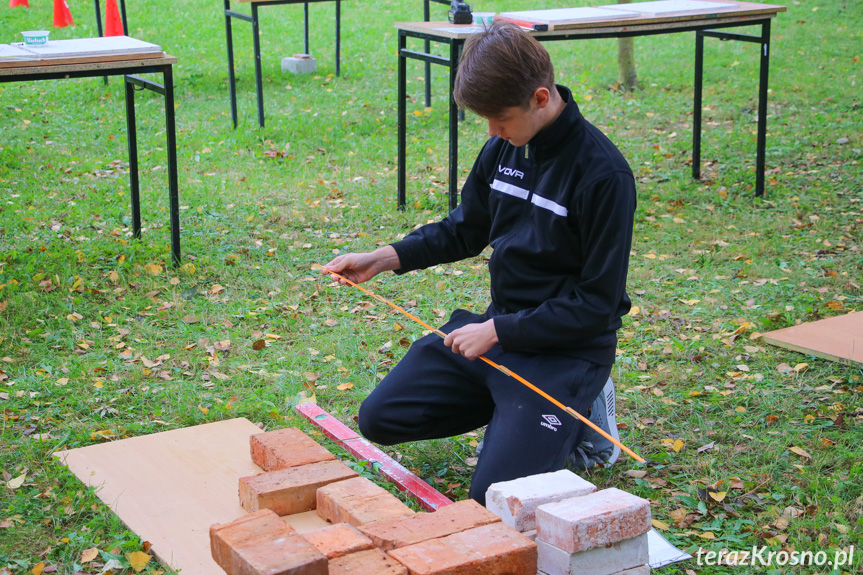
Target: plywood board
{"x":7,"y":51}
{"x":79,"y":47}
{"x":560,"y":16}
{"x":665,"y":7}
{"x":837,"y":338}
{"x":170,"y":487}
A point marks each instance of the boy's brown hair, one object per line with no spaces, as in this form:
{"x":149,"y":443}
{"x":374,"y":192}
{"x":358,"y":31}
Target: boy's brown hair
{"x":501,"y":67}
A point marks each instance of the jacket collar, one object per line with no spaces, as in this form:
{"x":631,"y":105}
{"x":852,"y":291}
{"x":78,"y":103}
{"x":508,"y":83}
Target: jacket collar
{"x":569,"y":120}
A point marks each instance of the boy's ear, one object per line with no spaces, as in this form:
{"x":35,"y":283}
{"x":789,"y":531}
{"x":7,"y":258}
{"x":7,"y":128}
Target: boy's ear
{"x":542,"y":97}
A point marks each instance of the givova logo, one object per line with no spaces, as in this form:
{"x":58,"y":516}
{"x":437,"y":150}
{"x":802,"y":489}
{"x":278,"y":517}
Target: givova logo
{"x":551,"y":422}
{"x":511,"y":172}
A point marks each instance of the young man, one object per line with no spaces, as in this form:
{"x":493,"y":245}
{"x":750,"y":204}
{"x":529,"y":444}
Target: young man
{"x":555,"y":199}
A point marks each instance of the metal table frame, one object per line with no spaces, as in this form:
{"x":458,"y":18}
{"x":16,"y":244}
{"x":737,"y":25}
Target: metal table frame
{"x":702,"y":29}
{"x":129,"y":70}
{"x":255,"y":21}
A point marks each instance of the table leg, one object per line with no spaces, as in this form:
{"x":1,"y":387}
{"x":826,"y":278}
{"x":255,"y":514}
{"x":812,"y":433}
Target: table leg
{"x":453,"y":126}
{"x":123,"y":16}
{"x":402,"y":118}
{"x":762,"y":109}
{"x":173,"y":184}
{"x":259,"y":80}
{"x":696,"y":106}
{"x":306,"y":28}
{"x":338,"y":36}
{"x":229,"y":40}
{"x":134,"y":183}
{"x":426,"y":18}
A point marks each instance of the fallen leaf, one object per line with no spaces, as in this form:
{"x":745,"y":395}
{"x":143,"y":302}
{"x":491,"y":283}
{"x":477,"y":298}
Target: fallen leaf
{"x":707,"y":447}
{"x":784,"y":368}
{"x":259,"y":345}
{"x":89,"y":554}
{"x":331,"y":323}
{"x":678,"y":515}
{"x":707,"y":535}
{"x":345,"y":386}
{"x":153,"y":269}
{"x":800,"y":451}
{"x":471,"y":461}
{"x":717,"y":496}
{"x":659,"y":524}
{"x":16,"y":482}
{"x":636,"y":473}
{"x":38,"y":568}
{"x":138,"y":560}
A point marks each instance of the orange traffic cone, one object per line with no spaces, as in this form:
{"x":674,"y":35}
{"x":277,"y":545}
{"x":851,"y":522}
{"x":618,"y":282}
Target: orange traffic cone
{"x":113,"y":24}
{"x":24,"y":3}
{"x":62,"y":15}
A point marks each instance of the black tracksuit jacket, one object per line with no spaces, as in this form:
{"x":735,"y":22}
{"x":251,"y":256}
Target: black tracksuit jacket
{"x":558,"y":213}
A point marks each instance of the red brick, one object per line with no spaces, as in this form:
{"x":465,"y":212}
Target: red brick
{"x":285,"y":448}
{"x":400,"y":532}
{"x":357,"y":501}
{"x":593,"y":520}
{"x":488,"y":550}
{"x":262,"y":544}
{"x":337,"y":540}
{"x":371,"y":562}
{"x":290,"y":490}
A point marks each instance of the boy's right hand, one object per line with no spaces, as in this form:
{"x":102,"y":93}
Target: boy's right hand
{"x":361,"y":267}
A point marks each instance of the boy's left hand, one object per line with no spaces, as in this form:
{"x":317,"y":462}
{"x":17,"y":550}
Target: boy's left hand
{"x":472,"y":340}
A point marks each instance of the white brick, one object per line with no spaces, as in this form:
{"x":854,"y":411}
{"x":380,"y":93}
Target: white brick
{"x":594,"y":520}
{"x":616,"y":557}
{"x":516,"y":501}
{"x":640,"y":570}
{"x":299,"y":64}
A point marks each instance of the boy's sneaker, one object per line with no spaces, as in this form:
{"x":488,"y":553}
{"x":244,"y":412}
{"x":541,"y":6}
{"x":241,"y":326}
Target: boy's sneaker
{"x":596,"y":449}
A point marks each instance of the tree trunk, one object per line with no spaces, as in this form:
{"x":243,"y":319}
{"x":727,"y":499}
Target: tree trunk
{"x":626,"y":61}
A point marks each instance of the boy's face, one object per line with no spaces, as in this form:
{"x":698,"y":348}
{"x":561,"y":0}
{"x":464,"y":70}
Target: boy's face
{"x":517,"y":125}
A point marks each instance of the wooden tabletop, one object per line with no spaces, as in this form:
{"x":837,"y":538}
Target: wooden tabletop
{"x":740,"y":12}
{"x":86,"y":64}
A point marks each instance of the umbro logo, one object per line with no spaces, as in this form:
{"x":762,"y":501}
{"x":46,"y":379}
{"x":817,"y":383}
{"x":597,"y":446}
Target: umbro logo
{"x":551,"y":422}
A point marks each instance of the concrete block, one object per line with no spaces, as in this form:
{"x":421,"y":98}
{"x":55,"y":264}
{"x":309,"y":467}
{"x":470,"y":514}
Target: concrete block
{"x":604,"y":560}
{"x":291,"y":490}
{"x":285,"y":448}
{"x":338,"y":540}
{"x":594,"y":520}
{"x":516,"y":501}
{"x":299,"y":64}
{"x":488,"y":550}
{"x":460,"y":516}
{"x":358,"y":501}
{"x":530,"y":534}
{"x":640,"y":570}
{"x":370,"y":562}
{"x":262,"y":544}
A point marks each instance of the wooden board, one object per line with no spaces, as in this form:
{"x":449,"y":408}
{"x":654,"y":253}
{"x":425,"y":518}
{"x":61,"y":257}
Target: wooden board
{"x":36,"y":61}
{"x":561,"y":16}
{"x":81,"y":47}
{"x":170,"y":487}
{"x":7,"y":51}
{"x":666,"y":7}
{"x":837,"y":338}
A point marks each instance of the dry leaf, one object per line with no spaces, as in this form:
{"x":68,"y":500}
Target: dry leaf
{"x":17,"y":482}
{"x":89,"y":554}
{"x":717,"y":496}
{"x":190,"y":318}
{"x":636,"y":473}
{"x":678,"y":515}
{"x":801,"y":452}
{"x":138,"y":560}
{"x":259,"y":345}
{"x":331,"y":323}
{"x":707,"y":535}
{"x":345,"y":386}
{"x":38,"y":568}
{"x":659,"y":524}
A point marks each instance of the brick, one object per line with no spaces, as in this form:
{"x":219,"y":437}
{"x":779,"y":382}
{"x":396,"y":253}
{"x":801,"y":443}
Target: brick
{"x":262,"y":544}
{"x":516,"y":501}
{"x":604,"y":560}
{"x":291,"y":490}
{"x":285,"y":448}
{"x":494,"y":549}
{"x":390,"y":534}
{"x":357,"y":501}
{"x":594,"y":520}
{"x":337,"y":540}
{"x":371,"y":562}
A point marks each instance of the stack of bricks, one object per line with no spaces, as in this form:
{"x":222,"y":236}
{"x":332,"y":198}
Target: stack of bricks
{"x":576,"y":528}
{"x":372,"y":531}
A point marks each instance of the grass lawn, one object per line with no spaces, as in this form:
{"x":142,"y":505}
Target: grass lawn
{"x":101,"y":339}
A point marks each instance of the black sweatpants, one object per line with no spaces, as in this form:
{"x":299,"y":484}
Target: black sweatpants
{"x":433,"y":393}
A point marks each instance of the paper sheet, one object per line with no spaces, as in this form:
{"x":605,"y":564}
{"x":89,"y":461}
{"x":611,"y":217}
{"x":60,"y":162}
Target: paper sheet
{"x":671,"y":6}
